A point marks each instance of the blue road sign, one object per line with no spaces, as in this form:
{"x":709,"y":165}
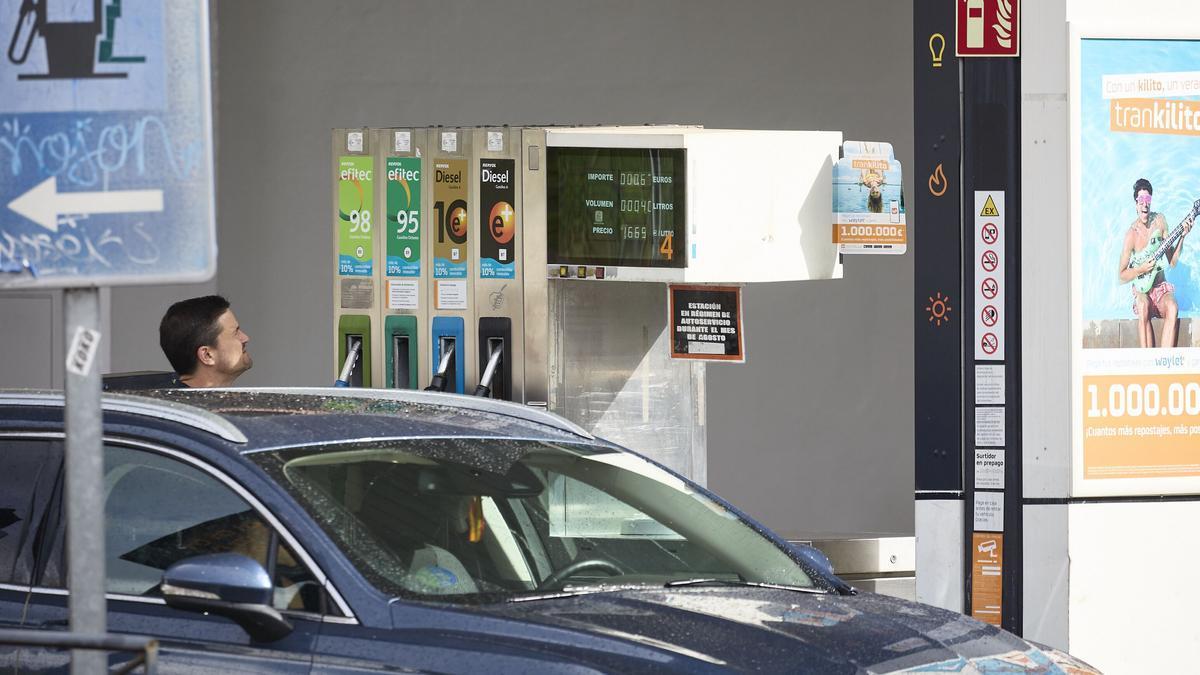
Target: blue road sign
{"x":106,"y":158}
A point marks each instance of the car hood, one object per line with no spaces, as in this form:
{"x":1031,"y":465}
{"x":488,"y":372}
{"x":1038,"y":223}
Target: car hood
{"x":776,"y":630}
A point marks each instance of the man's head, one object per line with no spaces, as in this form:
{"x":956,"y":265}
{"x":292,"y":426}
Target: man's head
{"x":1142,"y":192}
{"x":203,"y":341}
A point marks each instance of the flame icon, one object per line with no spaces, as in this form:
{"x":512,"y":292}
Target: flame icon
{"x":937,"y":182}
{"x":1003,"y":25}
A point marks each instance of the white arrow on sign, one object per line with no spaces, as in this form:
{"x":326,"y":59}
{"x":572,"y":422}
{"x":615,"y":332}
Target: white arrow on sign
{"x":44,"y":203}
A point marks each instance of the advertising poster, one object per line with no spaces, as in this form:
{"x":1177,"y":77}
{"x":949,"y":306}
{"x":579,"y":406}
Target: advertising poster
{"x":450,"y":219}
{"x":403,"y":216}
{"x":1136,"y":183}
{"x":497,"y":219}
{"x":355,"y":199}
{"x":868,"y":200}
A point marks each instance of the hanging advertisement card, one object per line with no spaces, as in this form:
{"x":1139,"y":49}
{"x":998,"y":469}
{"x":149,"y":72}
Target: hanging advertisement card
{"x":868,"y":200}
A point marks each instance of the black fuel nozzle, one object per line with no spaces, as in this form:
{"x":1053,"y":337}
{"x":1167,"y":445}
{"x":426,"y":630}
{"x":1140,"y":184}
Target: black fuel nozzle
{"x":439,"y":381}
{"x":485,"y":383}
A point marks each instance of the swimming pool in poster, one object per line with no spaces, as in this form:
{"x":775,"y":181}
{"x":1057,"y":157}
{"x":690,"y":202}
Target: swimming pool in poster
{"x":1136,"y":363}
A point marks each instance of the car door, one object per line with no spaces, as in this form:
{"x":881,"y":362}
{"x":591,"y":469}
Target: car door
{"x":161,"y":506}
{"x":30,"y":492}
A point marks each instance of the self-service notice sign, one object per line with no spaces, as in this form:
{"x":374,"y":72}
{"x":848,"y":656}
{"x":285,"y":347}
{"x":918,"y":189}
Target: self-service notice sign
{"x":706,"y":323}
{"x":105,"y":144}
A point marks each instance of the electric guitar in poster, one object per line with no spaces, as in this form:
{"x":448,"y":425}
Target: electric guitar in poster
{"x":1144,"y":282}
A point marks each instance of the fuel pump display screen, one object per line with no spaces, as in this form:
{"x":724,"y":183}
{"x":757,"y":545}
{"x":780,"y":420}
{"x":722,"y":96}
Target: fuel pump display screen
{"x":616,"y":206}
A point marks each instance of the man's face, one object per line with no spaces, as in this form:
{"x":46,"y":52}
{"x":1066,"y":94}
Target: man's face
{"x":1142,"y":202}
{"x":229,"y":354}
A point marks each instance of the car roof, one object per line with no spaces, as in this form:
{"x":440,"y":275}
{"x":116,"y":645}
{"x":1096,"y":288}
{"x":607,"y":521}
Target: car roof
{"x":253,"y":419}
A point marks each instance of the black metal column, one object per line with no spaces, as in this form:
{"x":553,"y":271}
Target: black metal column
{"x":992,"y":161}
{"x":937,"y":242}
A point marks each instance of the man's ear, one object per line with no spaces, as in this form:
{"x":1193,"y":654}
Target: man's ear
{"x":204,"y":356}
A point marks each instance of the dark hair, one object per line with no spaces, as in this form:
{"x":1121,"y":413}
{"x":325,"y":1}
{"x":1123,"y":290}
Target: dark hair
{"x":187,"y":326}
{"x":1142,"y":184}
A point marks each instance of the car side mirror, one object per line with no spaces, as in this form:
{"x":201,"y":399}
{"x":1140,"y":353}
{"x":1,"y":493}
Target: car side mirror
{"x":814,"y":556}
{"x":229,"y":585}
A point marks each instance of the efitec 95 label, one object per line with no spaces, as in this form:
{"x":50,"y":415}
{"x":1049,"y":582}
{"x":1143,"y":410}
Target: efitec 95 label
{"x":404,"y":216}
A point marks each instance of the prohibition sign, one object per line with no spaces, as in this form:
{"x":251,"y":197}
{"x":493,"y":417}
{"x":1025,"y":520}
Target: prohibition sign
{"x":989,"y":288}
{"x":989,"y":315}
{"x":990,"y":343}
{"x":990,"y":233}
{"x":989,"y":261}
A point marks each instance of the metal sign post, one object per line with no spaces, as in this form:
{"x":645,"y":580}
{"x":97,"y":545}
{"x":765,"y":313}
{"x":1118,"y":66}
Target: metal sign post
{"x":84,"y":469}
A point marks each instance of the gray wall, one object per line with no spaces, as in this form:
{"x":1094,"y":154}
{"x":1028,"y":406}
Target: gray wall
{"x":814,"y":432}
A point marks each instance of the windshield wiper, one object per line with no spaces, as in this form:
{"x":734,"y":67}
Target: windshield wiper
{"x":710,"y":581}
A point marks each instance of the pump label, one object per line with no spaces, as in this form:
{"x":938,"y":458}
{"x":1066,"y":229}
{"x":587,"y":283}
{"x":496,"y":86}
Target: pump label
{"x":356,"y":197}
{"x":404,"y":216}
{"x":450,"y":219}
{"x":497,"y":219}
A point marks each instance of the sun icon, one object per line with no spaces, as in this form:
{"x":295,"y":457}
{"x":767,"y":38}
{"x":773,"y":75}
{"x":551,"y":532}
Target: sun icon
{"x":939,"y":309}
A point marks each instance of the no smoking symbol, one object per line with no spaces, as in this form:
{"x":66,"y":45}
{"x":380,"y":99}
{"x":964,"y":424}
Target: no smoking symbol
{"x":990,"y":261}
{"x":989,"y":316}
{"x":990,"y":233}
{"x":990,"y":343}
{"x":990,"y":288}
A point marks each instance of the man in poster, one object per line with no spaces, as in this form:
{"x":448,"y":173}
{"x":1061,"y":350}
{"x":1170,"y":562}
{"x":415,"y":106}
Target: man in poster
{"x":1143,"y":259}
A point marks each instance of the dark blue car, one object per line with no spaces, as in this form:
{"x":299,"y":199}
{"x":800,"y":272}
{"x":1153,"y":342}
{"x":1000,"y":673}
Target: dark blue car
{"x":357,"y":530}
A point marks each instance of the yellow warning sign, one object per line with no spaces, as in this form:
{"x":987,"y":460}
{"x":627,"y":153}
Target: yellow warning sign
{"x":989,"y":209}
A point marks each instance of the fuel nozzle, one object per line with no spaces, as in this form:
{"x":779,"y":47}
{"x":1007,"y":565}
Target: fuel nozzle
{"x":494,"y":360}
{"x":439,"y":380}
{"x":348,"y":365}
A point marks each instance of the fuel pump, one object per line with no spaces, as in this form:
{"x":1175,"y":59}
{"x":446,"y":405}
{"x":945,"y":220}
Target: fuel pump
{"x":533,"y":264}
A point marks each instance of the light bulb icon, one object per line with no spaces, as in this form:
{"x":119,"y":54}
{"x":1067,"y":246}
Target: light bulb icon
{"x":937,"y":47}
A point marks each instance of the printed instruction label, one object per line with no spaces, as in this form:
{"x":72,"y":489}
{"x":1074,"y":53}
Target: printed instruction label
{"x":989,"y":385}
{"x":989,"y":468}
{"x":404,"y":216}
{"x":451,"y":294}
{"x":356,"y":199}
{"x":403,"y":294}
{"x":989,"y":511}
{"x":989,"y":427}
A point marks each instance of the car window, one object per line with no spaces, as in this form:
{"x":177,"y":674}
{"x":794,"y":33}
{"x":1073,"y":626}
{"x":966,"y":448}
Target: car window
{"x":30,"y":488}
{"x":482,"y":520}
{"x":159,"y":510}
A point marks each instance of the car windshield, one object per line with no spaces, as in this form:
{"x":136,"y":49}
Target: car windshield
{"x":482,"y":520}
